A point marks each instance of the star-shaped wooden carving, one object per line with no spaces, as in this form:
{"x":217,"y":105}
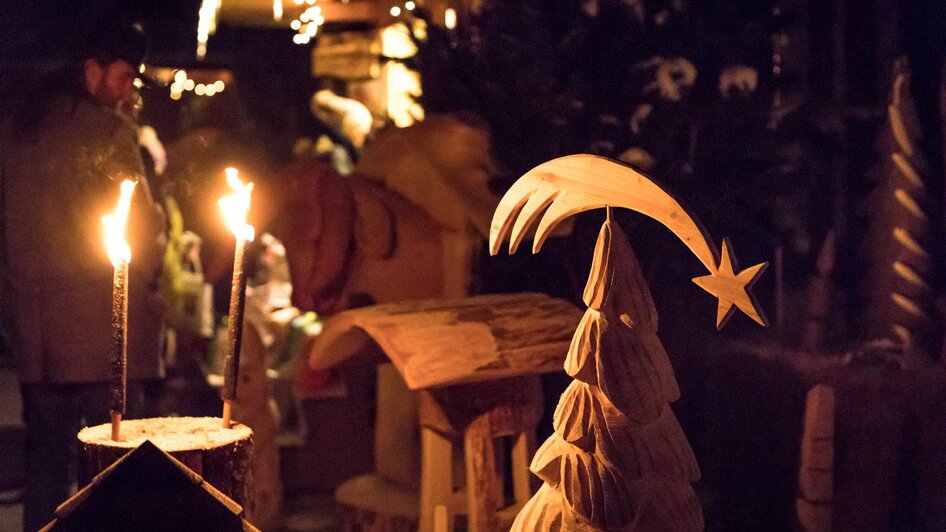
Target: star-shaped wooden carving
{"x":732,"y":289}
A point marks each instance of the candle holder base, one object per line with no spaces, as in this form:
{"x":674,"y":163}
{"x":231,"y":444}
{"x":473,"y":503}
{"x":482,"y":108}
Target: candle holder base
{"x":222,"y":456}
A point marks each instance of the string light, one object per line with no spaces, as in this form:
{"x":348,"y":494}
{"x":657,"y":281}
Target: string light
{"x":308,"y":23}
{"x":182,"y":83}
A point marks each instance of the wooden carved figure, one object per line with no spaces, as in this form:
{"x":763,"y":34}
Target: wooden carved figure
{"x":897,"y":283}
{"x":618,"y":460}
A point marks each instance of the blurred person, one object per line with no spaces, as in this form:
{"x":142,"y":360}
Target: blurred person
{"x":63,"y":153}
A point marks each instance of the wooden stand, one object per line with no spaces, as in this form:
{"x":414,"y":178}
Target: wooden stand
{"x":221,"y":456}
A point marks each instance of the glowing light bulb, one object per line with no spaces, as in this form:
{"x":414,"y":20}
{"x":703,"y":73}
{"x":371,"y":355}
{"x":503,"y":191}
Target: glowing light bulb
{"x":395,"y":11}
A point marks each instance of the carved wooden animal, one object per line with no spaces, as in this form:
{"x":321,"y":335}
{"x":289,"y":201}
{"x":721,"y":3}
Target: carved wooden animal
{"x":406,"y":226}
{"x":618,"y":460}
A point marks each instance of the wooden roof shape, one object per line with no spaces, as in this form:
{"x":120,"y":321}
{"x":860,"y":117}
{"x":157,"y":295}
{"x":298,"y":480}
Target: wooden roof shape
{"x":148,"y":489}
{"x":439,"y":342}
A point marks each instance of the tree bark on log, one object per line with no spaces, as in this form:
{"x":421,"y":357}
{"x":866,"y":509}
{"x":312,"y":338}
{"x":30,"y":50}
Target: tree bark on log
{"x":221,"y":456}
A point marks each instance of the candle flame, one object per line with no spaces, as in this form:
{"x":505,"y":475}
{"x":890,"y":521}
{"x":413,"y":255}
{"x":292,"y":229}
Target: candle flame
{"x":115,"y":244}
{"x":236,"y":206}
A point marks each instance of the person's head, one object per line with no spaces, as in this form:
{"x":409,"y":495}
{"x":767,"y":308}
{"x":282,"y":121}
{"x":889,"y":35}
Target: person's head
{"x":108,"y":63}
{"x":110,"y":84}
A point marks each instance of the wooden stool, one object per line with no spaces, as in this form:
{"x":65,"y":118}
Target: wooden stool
{"x":476,"y":414}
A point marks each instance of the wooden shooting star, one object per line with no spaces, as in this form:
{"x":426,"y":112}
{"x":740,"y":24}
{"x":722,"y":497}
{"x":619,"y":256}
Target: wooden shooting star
{"x":568,"y":185}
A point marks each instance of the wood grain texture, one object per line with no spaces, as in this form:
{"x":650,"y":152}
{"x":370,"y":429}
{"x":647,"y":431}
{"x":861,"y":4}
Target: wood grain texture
{"x":568,"y":185}
{"x":228,"y":467}
{"x":481,"y":479}
{"x":440,"y":342}
{"x":618,"y":459}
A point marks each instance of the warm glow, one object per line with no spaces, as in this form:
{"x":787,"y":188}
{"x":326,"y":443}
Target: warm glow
{"x":206,"y":24}
{"x":118,"y":250}
{"x":236,"y":206}
{"x":397,"y":43}
{"x":450,"y":18}
{"x":395,"y":11}
{"x":402,"y":90}
{"x":277,"y":10}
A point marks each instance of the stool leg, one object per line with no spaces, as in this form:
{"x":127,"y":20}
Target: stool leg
{"x":522,"y":450}
{"x":436,"y":472}
{"x":480,"y":476}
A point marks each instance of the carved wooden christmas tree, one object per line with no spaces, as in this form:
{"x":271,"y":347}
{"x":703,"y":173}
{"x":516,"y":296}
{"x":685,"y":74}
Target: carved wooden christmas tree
{"x":618,"y":459}
{"x":899,"y":295}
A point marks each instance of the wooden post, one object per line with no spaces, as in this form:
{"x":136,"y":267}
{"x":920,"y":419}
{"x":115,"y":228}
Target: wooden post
{"x":481,"y":478}
{"x":436,"y":482}
{"x":815,"y":474}
{"x":523,"y":448}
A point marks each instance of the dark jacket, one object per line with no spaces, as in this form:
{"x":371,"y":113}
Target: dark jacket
{"x":57,"y":180}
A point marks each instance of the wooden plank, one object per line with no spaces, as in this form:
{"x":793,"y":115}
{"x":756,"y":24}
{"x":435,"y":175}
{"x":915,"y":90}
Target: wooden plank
{"x":438,"y":342}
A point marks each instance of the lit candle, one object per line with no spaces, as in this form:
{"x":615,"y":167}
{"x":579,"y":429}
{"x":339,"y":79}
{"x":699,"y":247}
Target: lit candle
{"x":120,"y":255}
{"x":235,"y":208}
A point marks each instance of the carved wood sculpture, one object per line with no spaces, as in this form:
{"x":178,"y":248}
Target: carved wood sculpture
{"x":618,"y":459}
{"x":814,"y":505}
{"x":896,"y":284}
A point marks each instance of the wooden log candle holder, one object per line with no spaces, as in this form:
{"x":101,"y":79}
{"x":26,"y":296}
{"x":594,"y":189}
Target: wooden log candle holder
{"x":221,"y":456}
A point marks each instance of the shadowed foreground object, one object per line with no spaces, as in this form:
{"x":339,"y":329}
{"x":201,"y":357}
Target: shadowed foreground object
{"x":618,"y":459}
{"x":149,"y":490}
